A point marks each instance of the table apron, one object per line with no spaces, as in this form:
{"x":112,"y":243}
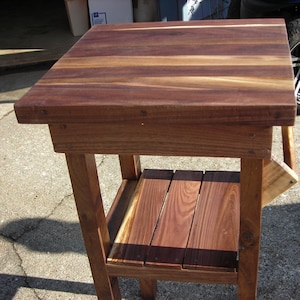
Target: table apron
{"x":155,"y":139}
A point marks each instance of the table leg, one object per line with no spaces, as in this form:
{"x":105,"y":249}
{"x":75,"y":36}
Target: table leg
{"x":130,"y":166}
{"x":289,"y":152}
{"x":250,"y":227}
{"x":148,"y":288}
{"x":84,"y":178}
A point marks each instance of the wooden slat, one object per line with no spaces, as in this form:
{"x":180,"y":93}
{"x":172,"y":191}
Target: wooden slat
{"x":171,"y":235}
{"x":277,"y":178}
{"x":119,"y":207}
{"x":213,"y":242}
{"x":136,"y":232}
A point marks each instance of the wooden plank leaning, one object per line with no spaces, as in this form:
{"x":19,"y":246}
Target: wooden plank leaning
{"x":280,"y":176}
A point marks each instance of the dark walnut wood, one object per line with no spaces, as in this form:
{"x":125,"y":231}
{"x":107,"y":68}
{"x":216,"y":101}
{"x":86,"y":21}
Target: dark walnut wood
{"x":231,"y":71}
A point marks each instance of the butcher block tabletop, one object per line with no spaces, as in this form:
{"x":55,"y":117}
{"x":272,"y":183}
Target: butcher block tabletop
{"x":235,"y":72}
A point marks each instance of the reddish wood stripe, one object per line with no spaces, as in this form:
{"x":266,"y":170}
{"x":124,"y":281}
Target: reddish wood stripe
{"x":171,"y":235}
{"x":215,"y":229}
{"x":198,"y":67}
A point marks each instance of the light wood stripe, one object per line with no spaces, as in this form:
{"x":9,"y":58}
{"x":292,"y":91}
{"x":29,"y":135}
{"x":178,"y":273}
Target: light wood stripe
{"x":170,"y":61}
{"x":180,"y":82}
{"x":200,"y":26}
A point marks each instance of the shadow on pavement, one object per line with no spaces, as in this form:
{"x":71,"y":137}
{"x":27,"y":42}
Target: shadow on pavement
{"x":45,"y":235}
{"x":279,"y":267}
{"x":14,"y":282}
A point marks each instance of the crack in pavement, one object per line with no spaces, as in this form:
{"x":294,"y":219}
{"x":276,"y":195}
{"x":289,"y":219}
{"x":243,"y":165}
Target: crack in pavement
{"x":24,"y":271}
{"x":13,"y":240}
{"x":7,"y":114}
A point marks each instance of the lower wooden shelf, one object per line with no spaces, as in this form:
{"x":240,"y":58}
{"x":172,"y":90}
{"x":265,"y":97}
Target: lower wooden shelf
{"x":175,"y":222}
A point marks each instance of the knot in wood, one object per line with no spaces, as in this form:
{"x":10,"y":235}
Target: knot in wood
{"x":247,"y":239}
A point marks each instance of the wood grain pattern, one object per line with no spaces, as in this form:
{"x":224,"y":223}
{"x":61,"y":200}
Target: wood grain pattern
{"x":215,"y":229}
{"x":201,"y":70}
{"x":278,"y":177}
{"x":250,"y":226}
{"x":197,"y":228}
{"x":173,"y":274}
{"x":148,"y":288}
{"x":83,"y":174}
{"x":119,"y":207}
{"x":173,"y":228}
{"x":289,"y":150}
{"x":155,"y":139}
{"x":135,"y":234}
{"x":130,"y":166}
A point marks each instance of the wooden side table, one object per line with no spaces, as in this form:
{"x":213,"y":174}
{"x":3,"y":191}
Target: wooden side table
{"x":203,"y":88}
